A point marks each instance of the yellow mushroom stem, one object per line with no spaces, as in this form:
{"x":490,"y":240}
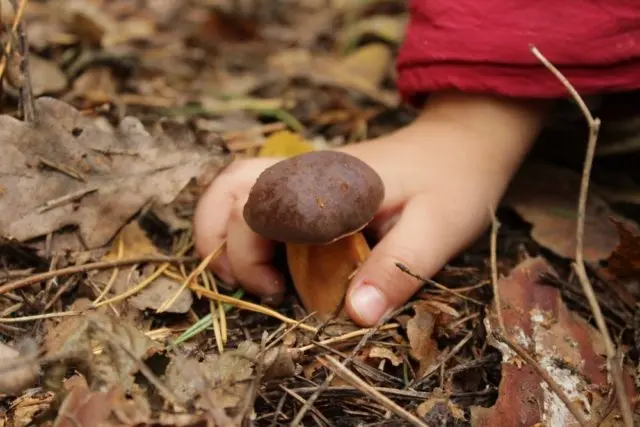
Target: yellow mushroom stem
{"x":322,"y":273}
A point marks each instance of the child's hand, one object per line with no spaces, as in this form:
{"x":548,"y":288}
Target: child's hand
{"x":443,"y":174}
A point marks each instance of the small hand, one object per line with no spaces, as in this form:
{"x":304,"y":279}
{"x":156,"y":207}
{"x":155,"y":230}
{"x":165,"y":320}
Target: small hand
{"x":443,"y":174}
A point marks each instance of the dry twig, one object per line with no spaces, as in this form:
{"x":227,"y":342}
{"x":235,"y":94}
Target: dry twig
{"x":579,"y":265}
{"x":102,"y":265}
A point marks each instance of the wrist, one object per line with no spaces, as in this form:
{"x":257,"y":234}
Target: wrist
{"x":489,"y":117}
{"x":458,"y":138}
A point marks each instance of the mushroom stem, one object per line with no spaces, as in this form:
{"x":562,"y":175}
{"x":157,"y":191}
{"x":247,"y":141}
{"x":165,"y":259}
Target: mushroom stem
{"x":321,"y":273}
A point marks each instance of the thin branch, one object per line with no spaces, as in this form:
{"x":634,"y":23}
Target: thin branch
{"x":495,"y":226}
{"x":579,"y":266}
{"x":102,"y":265}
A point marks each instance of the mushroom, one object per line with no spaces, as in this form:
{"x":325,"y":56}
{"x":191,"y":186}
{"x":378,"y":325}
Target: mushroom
{"x":317,"y":203}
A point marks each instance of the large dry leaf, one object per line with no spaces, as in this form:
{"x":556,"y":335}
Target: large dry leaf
{"x":547,"y":197}
{"x":68,"y":171}
{"x":562,"y":343}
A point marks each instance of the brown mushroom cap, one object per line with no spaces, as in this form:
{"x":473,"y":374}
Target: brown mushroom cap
{"x":314,"y":198}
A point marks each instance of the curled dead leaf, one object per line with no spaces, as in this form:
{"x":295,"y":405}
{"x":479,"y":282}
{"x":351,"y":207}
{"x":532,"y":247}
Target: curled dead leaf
{"x":384,"y":353}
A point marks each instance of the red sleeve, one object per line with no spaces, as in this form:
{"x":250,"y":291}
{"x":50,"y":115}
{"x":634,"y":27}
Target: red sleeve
{"x":484,"y":46}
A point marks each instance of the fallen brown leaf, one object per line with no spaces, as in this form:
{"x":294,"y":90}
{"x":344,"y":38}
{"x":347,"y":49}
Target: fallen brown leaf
{"x":87,"y":20}
{"x":562,"y":342}
{"x":46,"y":76}
{"x":25,"y":408}
{"x":77,"y":339}
{"x":624,"y":261}
{"x":419,"y":331}
{"x":384,"y":353}
{"x":370,"y":62}
{"x":225,"y":379}
{"x":67,"y":171}
{"x":547,"y":197}
{"x":133,"y":242}
{"x":439,"y":411}
{"x":85,"y":408}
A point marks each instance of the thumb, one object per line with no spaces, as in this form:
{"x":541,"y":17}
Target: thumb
{"x":424,"y":239}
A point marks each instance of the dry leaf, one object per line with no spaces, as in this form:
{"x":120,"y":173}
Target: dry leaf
{"x":562,"y":342}
{"x":158,"y":292}
{"x":88,"y":20}
{"x":223,"y":378}
{"x":78,"y":339}
{"x":85,"y":408}
{"x":327,"y":71}
{"x":15,"y":380}
{"x":624,"y":261}
{"x":419,"y":331}
{"x":439,"y":411}
{"x":129,"y":30}
{"x":284,"y":144}
{"x":66,"y":171}
{"x":370,"y":62}
{"x":388,"y":28}
{"x":25,"y":408}
{"x":377,"y":352}
{"x":133,"y":242}
{"x":547,"y":197}
{"x":46,"y":76}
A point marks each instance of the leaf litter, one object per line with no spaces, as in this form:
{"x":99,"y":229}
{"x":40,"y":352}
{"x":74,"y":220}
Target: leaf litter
{"x":138,"y":107}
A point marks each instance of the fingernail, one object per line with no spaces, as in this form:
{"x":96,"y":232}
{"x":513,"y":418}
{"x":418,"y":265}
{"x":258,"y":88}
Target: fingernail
{"x":368,"y":303}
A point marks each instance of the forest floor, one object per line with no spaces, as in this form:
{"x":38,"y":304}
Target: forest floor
{"x":120,"y":113}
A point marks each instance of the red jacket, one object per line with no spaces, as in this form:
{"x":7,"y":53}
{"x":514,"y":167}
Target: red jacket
{"x":484,"y":46}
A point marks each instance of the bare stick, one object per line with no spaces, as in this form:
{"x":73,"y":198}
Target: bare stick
{"x":26,"y":90}
{"x":495,"y":226}
{"x":102,"y":265}
{"x":594,"y":128}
